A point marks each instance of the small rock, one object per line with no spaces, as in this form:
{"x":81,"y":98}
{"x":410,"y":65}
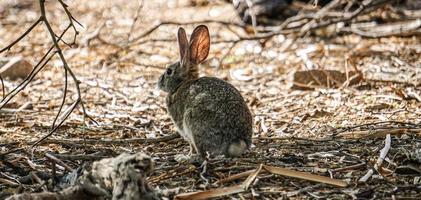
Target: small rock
{"x":14,"y":68}
{"x":180,"y":158}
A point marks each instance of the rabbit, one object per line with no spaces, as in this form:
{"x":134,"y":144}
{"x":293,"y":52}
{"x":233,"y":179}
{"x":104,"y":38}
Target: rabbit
{"x":208,"y":112}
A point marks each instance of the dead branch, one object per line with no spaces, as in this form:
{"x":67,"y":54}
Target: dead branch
{"x":71,"y":19}
{"x":377,"y":133}
{"x":38,"y":67}
{"x":404,"y":28}
{"x":113,"y":141}
{"x":317,"y":20}
{"x":56,"y":160}
{"x":22,"y":36}
{"x":380,"y":125}
{"x":83,"y":191}
{"x":41,"y":64}
{"x":162,"y":23}
{"x":63,"y":99}
{"x":82,"y":157}
{"x":63,"y":60}
{"x":135,"y":18}
{"x":123,"y":176}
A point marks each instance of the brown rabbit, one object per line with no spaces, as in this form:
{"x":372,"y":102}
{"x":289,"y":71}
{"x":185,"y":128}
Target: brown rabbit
{"x":208,"y":112}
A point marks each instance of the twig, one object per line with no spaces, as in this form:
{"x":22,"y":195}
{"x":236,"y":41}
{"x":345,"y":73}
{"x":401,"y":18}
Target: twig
{"x":2,"y":88}
{"x":67,"y":68}
{"x":252,"y":177}
{"x":404,"y":28}
{"x":71,"y":19}
{"x":356,"y":166}
{"x":171,"y":174}
{"x":95,"y":34}
{"x":53,"y":158}
{"x":17,"y":182}
{"x":112,"y":141}
{"x":305,"y":176}
{"x":63,"y":101}
{"x":314,"y":22}
{"x":22,"y":36}
{"x":380,"y":160}
{"x":404,"y":124}
{"x":318,"y":15}
{"x":44,"y":60}
{"x":384,"y":151}
{"x":377,"y":132}
{"x":301,"y":190}
{"x":14,"y":150}
{"x":63,"y":118}
{"x":38,"y":67}
{"x":235,"y":176}
{"x":161,"y":23}
{"x":42,"y":183}
{"x":136,"y":17}
{"x":222,"y":59}
{"x":349,"y":16}
{"x":81,"y":157}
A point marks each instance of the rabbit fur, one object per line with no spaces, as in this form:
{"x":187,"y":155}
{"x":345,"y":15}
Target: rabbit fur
{"x":208,"y":112}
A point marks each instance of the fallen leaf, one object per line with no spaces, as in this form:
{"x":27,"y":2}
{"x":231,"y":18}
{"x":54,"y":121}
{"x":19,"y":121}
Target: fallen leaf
{"x":311,"y":79}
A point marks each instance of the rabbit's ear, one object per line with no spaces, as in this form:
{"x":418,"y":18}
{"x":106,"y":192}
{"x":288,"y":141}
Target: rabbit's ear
{"x":199,"y":44}
{"x":182,"y":44}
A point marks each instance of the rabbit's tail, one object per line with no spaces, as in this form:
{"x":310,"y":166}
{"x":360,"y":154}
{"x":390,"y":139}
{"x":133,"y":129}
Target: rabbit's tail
{"x":237,"y":148}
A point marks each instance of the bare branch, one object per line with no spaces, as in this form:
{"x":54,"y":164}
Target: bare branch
{"x":67,"y":68}
{"x":64,"y":99}
{"x":71,"y":19}
{"x":22,"y":36}
{"x":136,"y":17}
{"x":157,"y":25}
{"x":42,"y":63}
{"x":28,"y":79}
{"x":63,"y":119}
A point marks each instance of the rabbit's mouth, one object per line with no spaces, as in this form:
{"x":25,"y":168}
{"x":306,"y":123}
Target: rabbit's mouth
{"x":161,"y":82}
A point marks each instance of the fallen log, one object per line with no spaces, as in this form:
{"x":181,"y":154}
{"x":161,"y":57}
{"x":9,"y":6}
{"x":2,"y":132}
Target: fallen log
{"x":122,"y":177}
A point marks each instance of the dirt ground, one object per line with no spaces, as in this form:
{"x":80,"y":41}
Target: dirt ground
{"x":303,"y":130}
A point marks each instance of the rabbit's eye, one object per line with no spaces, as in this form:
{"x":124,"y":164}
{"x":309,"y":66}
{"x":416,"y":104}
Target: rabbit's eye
{"x":169,"y":71}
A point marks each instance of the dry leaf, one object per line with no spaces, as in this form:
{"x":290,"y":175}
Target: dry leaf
{"x":305,"y":176}
{"x":211,"y":193}
{"x":311,"y":79}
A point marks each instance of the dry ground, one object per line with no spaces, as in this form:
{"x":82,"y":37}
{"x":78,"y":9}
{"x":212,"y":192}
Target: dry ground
{"x":296,"y":129}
